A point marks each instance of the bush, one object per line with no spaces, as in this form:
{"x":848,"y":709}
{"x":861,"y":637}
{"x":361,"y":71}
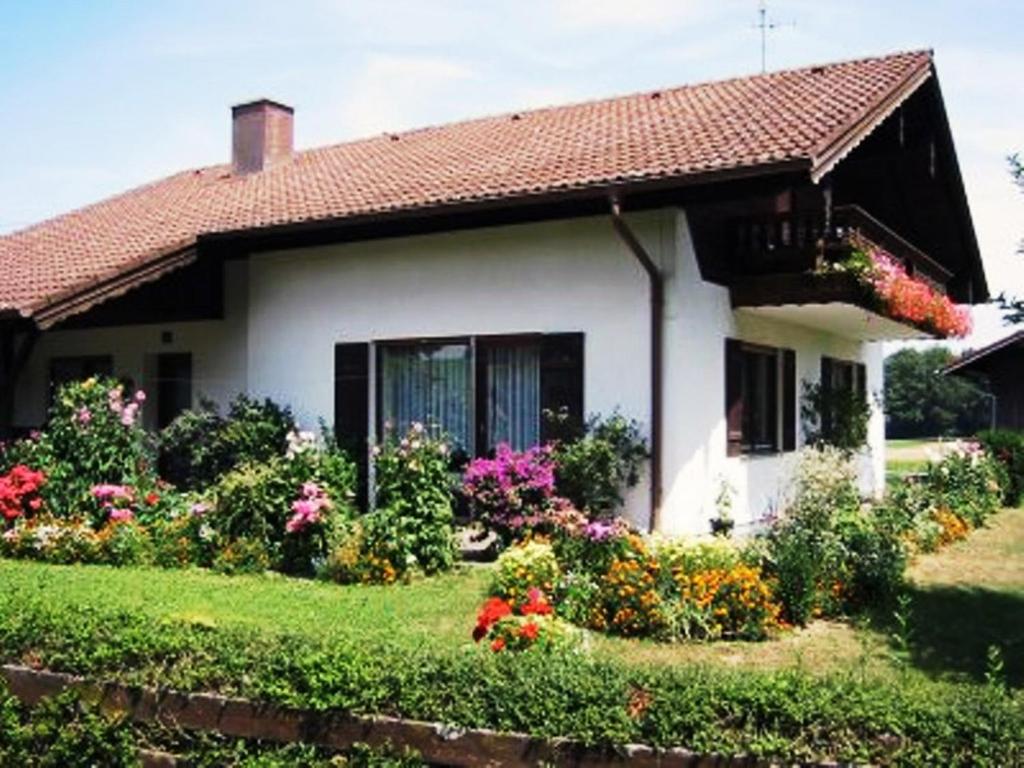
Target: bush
{"x":291,"y":504}
{"x":1007,"y":447}
{"x":93,"y":436}
{"x":730,"y":602}
{"x":830,"y":554}
{"x":594,"y":471}
{"x":200,"y":445}
{"x":512,"y":493}
{"x":784,"y":717}
{"x":63,"y":732}
{"x":628,"y":600}
{"x":414,"y":501}
{"x":836,"y":417}
{"x":530,"y":565}
{"x":966,"y":482}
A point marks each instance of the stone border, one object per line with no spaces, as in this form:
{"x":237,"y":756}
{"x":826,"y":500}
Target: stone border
{"x":436,"y":743}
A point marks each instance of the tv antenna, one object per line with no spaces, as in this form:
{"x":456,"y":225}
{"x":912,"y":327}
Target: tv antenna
{"x":765,"y":24}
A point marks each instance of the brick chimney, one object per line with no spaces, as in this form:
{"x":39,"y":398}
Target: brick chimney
{"x":261,"y":135}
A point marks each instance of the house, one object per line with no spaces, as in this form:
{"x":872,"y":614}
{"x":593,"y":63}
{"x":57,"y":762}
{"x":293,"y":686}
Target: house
{"x":1002,"y":363}
{"x":660,"y":254}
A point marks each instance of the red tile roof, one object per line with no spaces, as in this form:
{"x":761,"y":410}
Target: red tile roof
{"x":804,"y":117}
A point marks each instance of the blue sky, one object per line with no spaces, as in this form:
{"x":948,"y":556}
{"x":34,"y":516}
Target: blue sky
{"x":101,"y":96}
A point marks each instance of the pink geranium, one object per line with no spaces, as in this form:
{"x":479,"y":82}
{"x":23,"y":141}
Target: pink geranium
{"x":307,"y":510}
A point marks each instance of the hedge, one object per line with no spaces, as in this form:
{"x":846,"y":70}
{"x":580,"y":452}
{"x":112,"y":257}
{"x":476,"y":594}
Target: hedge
{"x":783,"y":715}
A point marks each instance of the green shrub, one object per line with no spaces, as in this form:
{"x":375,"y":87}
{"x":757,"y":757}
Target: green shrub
{"x":242,"y":555}
{"x":594,"y":471}
{"x":413,"y":503}
{"x":62,"y":732}
{"x":836,"y":417}
{"x":781,"y":716}
{"x":265,"y":501}
{"x":522,"y":567}
{"x":93,"y":436}
{"x":200,"y":445}
{"x":1007,"y":447}
{"x":966,"y":482}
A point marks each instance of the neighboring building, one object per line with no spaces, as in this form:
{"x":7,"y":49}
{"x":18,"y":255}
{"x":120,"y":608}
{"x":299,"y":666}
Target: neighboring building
{"x":1002,"y":363}
{"x":649,"y":253}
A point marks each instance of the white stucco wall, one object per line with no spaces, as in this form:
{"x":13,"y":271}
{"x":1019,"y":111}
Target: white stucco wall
{"x":285,"y":311}
{"x":698,"y":320}
{"x":218,"y":349}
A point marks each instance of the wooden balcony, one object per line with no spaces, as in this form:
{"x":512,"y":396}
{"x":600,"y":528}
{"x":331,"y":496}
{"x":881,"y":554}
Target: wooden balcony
{"x":779,"y":272}
{"x":803,"y":241}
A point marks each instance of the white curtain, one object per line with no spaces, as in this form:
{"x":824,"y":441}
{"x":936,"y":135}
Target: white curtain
{"x":513,"y":395}
{"x":429,"y":383}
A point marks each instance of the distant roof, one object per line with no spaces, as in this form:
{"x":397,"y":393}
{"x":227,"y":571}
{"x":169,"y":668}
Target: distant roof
{"x":979,"y":356}
{"x":802,"y":119}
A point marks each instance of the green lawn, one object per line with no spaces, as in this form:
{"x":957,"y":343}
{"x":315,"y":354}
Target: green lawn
{"x":964,"y":599}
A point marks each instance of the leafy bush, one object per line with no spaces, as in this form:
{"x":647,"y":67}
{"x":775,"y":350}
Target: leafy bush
{"x":628,"y":601}
{"x":526,"y":566}
{"x":291,"y":504}
{"x":827,"y":554}
{"x":836,"y":417}
{"x":1007,"y":447}
{"x":512,"y":493}
{"x":200,"y":445}
{"x":594,"y":471}
{"x":525,"y":624}
{"x":62,"y":732}
{"x":93,"y":436}
{"x":414,"y":501}
{"x":784,"y":717}
{"x":733,"y":602}
{"x":966,"y":482}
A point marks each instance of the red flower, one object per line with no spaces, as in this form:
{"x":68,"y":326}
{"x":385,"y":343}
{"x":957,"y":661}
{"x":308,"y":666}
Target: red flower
{"x":498,"y":644}
{"x":530,"y":631}
{"x":152,"y":499}
{"x":536,"y":604}
{"x":492,"y":611}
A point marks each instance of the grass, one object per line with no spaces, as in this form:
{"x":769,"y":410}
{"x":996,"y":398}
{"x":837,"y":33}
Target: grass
{"x":963,"y":600}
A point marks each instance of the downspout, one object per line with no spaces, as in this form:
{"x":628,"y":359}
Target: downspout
{"x":657,"y":295}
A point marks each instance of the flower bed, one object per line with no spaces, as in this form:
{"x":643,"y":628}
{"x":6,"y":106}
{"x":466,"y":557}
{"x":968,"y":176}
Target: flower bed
{"x":901,"y":296}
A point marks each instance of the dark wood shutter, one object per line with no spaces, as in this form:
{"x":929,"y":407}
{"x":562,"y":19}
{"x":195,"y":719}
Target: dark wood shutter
{"x":862,"y":381}
{"x":788,"y":400}
{"x":826,"y":399}
{"x":734,"y":396}
{"x":561,"y":385}
{"x":352,"y":406}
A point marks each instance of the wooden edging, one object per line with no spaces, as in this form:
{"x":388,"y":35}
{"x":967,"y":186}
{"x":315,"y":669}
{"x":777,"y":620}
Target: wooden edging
{"x":436,"y":743}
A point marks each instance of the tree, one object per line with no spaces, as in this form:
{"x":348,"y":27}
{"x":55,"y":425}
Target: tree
{"x":1014,"y":307}
{"x":921,"y":402}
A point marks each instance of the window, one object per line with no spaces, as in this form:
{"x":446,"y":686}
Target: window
{"x":173,"y":386}
{"x":760,"y":398}
{"x":840,"y":376}
{"x":428,"y":382}
{"x":64,"y":370}
{"x":481,"y":390}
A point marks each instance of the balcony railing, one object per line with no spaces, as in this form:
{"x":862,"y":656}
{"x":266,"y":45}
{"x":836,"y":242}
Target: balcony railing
{"x":802,"y":241}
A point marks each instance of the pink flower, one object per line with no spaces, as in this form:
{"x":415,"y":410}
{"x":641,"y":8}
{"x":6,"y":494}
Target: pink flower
{"x":128,"y":414}
{"x":121,"y":515}
{"x":110,"y":492}
{"x":84,"y":416}
{"x":199,"y":509}
{"x":140,"y":397}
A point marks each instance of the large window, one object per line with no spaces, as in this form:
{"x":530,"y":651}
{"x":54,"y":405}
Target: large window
{"x":428,"y":382}
{"x":760,"y":398}
{"x":481,"y":391}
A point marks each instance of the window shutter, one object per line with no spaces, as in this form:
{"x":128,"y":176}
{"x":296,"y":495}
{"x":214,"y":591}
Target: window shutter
{"x":862,"y":381}
{"x":561,"y":385}
{"x":734,"y":397}
{"x":788,"y":400}
{"x":826,"y":391}
{"x":352,"y":406}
